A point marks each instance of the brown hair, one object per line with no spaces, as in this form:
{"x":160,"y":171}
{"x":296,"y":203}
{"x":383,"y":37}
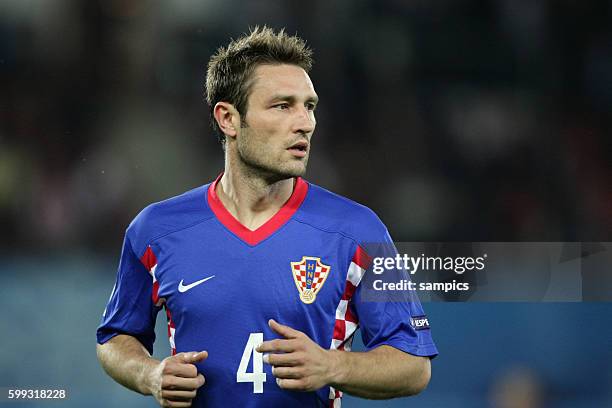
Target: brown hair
{"x":228,"y":78}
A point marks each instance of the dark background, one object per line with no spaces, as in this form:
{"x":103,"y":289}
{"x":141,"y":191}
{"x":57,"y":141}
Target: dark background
{"x":455,"y":120}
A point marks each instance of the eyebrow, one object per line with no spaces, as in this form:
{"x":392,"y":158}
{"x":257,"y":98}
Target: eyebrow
{"x":292,"y":99}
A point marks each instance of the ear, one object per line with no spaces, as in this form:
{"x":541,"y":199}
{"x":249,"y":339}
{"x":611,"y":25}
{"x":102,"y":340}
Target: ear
{"x":227,"y":117}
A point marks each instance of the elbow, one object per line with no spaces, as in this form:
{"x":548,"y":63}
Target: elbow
{"x":420,"y":379}
{"x":99,"y":352}
{"x":101,"y":355}
{"x":104,"y":356}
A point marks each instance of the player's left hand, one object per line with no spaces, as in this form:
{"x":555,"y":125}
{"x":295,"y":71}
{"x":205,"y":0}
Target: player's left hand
{"x":298,"y":363}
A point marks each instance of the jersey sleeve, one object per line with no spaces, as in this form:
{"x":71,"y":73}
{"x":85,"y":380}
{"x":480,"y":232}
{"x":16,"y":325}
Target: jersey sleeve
{"x":386,"y":318}
{"x":130,"y":309}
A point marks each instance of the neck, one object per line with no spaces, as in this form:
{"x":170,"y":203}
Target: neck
{"x":250,"y":197}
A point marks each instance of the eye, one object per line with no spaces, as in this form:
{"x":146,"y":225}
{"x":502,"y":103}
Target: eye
{"x":311,"y":106}
{"x":281,"y":106}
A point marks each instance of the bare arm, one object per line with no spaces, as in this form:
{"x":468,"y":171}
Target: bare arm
{"x":300,"y":364}
{"x":173,"y":381}
{"x":382,"y":373}
{"x":127,"y":361}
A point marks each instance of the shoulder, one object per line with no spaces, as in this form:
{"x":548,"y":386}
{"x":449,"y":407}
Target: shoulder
{"x":168,"y":216}
{"x":332,"y":212}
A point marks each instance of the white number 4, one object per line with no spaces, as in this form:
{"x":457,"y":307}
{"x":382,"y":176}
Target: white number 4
{"x":257,"y":377}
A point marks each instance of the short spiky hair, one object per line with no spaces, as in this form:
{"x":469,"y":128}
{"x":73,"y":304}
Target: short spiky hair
{"x":228,"y":78}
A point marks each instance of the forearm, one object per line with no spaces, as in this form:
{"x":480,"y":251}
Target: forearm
{"x":384,"y":372}
{"x":128,"y":362}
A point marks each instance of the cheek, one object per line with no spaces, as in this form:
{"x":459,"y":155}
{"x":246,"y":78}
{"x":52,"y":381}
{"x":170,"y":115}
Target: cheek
{"x":268,"y":127}
{"x":270,"y":133}
{"x":256,"y":141}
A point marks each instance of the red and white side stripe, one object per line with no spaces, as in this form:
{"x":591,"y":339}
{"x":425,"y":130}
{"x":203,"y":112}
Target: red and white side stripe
{"x":149,"y":260}
{"x":171,"y":330}
{"x":346,"y":322}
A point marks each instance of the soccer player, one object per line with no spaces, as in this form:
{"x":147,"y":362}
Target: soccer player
{"x":259,"y":271}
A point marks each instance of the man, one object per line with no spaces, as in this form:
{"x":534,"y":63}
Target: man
{"x":259,"y":271}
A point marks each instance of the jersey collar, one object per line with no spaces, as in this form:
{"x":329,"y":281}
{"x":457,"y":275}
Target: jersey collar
{"x":254,"y":237}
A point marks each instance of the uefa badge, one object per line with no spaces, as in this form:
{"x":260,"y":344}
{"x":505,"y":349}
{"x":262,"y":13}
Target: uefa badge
{"x":309,"y":275}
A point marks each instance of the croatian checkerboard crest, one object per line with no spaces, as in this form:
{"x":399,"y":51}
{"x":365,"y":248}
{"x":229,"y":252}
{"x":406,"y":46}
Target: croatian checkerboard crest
{"x":309,"y":275}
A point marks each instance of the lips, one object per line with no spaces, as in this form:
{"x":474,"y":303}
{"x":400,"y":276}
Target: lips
{"x":301,"y":145}
{"x":299,"y":149}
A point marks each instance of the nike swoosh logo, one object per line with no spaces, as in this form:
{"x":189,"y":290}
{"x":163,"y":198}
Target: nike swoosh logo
{"x":184,"y":288}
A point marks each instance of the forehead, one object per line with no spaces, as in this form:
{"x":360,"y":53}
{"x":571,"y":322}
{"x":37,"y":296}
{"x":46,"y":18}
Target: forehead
{"x":282,"y":79}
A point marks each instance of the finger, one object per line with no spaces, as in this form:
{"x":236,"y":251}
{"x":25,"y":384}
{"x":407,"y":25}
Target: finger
{"x":182,"y":370}
{"x":201,"y":380}
{"x":282,"y":360}
{"x":290,"y":384}
{"x":276,"y":345}
{"x":194,"y":357}
{"x":170,"y":382}
{"x":286,"y":372}
{"x":176,"y":395}
{"x":176,"y":404}
{"x":283,"y":330}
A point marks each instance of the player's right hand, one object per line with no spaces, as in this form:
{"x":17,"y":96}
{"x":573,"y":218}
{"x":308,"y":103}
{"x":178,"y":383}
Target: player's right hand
{"x":175,"y":380}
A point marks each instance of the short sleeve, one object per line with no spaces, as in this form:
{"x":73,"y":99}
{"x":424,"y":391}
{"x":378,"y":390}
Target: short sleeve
{"x":386,"y":318}
{"x":130,"y":309}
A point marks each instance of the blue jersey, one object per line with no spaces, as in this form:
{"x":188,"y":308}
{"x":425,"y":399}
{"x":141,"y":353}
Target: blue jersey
{"x":220,"y":283}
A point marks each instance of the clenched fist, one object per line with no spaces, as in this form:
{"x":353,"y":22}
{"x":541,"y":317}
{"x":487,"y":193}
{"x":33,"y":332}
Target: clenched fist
{"x":298,"y":363}
{"x":175,"y":381}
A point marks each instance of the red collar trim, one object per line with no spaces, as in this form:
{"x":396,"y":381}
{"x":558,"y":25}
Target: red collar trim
{"x":269,"y":227}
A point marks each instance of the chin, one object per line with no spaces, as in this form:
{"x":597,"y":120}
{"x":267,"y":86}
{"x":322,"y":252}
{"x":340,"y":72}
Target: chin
{"x":290,"y":171}
{"x":297,"y":171}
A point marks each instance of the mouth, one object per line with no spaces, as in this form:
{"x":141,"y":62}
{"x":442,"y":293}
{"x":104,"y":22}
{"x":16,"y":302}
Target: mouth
{"x":299,"y":149}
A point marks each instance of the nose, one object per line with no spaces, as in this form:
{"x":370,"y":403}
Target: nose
{"x":305,"y":121}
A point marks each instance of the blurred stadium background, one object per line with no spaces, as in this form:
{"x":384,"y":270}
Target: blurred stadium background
{"x":456,"y":120}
